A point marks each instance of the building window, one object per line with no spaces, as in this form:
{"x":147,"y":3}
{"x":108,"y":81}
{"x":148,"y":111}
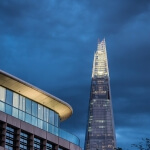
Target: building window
{"x":10,"y":136}
{"x":46,"y":114}
{"x":8,"y":109}
{"x":28,"y":106}
{"x":56,"y":120}
{"x":2,"y":93}
{"x":34,"y":109}
{"x":28,"y":118}
{"x":15,"y":112}
{"x":37,"y":144}
{"x":51,"y":115}
{"x":15,"y":100}
{"x":2,"y":106}
{"x":9,"y":97}
{"x":40,"y":111}
{"x":49,"y":146}
{"x":24,"y":141}
{"x":22,"y":103}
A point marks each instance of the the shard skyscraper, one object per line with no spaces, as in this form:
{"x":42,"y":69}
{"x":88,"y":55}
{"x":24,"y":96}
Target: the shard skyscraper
{"x":100,"y":134}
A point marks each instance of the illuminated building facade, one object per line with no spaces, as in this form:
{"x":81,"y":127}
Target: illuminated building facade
{"x":30,"y":118}
{"x":100,"y":134}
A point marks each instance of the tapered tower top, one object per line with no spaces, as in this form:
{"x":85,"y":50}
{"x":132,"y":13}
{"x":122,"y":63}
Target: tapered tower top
{"x":100,"y":63}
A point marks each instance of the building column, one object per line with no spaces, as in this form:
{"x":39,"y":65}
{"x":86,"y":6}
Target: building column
{"x":17,"y":145}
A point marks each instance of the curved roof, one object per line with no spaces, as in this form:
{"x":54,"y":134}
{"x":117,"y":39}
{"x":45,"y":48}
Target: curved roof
{"x":19,"y":86}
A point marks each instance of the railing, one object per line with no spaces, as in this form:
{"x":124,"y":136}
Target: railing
{"x":24,"y":116}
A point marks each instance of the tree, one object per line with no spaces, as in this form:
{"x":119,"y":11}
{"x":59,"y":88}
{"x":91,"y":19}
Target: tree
{"x":143,"y":145}
{"x":118,"y":148}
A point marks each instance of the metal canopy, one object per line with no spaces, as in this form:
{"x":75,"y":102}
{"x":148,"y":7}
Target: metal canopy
{"x":21,"y":87}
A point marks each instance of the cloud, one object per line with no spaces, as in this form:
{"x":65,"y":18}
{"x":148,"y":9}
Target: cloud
{"x":50,"y":44}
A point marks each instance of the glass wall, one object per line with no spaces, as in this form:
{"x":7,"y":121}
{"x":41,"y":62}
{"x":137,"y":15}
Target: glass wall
{"x":31,"y":112}
{"x":26,"y":109}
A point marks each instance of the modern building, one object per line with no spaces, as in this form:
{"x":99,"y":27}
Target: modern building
{"x":100,"y":134}
{"x":30,"y":118}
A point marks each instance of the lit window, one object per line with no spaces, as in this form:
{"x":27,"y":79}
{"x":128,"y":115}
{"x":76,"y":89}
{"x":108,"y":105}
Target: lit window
{"x":10,"y":133}
{"x":24,"y":141}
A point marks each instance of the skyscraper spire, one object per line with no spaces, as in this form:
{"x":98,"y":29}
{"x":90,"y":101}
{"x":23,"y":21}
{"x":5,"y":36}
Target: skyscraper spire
{"x":100,"y":133}
{"x":100,"y":63}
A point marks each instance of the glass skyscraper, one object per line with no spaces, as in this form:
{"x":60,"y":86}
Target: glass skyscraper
{"x":100,"y":134}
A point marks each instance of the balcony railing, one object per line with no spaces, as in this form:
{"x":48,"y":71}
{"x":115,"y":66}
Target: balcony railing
{"x":24,"y":116}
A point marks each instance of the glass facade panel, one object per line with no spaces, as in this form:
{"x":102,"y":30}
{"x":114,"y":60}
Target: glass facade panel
{"x":45,"y":125}
{"x":8,"y":109}
{"x":56,"y":120}
{"x":16,"y":100}
{"x":28,"y":106}
{"x":9,"y":95}
{"x":22,"y":103}
{"x":40,"y":111}
{"x":2,"y":106}
{"x":46,"y":114}
{"x":15,"y":112}
{"x":34,"y":108}
{"x":28,"y":118}
{"x":40,"y":123}
{"x":2,"y":93}
{"x":51,"y":129}
{"x":21,"y":115}
{"x":100,"y":120}
{"x":34,"y":121}
{"x":48,"y":122}
{"x":51,"y":118}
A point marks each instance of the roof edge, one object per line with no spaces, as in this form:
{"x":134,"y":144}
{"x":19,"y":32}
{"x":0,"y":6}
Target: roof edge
{"x":39,"y":90}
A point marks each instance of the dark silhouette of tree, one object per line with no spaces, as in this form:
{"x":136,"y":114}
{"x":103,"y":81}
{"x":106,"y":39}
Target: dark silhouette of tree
{"x":143,"y":145}
{"x":118,"y":148}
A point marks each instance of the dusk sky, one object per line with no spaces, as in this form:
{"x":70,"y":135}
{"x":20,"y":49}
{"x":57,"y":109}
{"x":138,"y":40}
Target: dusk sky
{"x":51,"y":44}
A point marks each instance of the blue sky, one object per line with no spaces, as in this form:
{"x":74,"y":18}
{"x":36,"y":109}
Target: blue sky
{"x":51,"y":45}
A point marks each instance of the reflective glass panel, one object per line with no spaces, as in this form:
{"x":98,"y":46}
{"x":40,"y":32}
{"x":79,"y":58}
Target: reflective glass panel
{"x":45,"y":125}
{"x":34,"y":109}
{"x":40,"y":111}
{"x":28,"y":106}
{"x":40,"y":123}
{"x":8,"y":109}
{"x":2,"y":106}
{"x":15,"y":100}
{"x":21,"y":115}
{"x":51,"y":129}
{"x":28,"y":118}
{"x":2,"y":93}
{"x":46,"y":114}
{"x":9,"y":95}
{"x":34,"y":121}
{"x":51,"y":118}
{"x":56,"y":120}
{"x":15,"y":112}
{"x":22,"y":103}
